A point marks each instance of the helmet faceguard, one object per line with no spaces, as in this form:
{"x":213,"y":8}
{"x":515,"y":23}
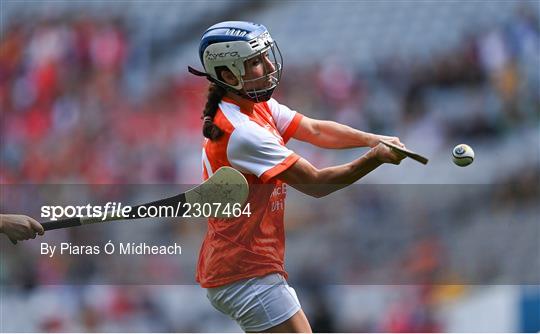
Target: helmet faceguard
{"x":270,"y":79}
{"x":228,"y":45}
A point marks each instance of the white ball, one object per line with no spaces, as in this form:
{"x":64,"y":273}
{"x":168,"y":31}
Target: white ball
{"x":462,"y":155}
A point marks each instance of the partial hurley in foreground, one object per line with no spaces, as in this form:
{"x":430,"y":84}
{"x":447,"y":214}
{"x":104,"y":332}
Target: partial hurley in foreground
{"x":225,"y":186}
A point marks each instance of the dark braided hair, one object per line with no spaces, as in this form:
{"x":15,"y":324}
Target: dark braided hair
{"x":215,"y":94}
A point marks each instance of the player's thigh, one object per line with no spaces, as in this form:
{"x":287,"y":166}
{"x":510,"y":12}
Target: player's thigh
{"x":258,"y":303}
{"x":298,"y":323}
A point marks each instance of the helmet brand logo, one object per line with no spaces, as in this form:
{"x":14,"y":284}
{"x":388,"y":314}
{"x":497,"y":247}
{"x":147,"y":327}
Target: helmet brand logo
{"x":214,"y":56}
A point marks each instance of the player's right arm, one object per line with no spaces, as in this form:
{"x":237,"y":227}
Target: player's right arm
{"x":315,"y":182}
{"x":19,"y":227}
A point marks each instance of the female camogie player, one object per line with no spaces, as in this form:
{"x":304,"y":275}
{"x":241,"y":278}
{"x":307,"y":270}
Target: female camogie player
{"x":241,"y":261}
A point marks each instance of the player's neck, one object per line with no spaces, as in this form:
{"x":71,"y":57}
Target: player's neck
{"x":244,"y":104}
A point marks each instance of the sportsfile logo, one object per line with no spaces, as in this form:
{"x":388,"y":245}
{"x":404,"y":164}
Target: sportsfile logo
{"x":114,"y":211}
{"x":214,"y":56}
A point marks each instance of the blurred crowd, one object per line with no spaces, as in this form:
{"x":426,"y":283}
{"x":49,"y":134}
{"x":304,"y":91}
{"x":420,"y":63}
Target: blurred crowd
{"x":494,"y":70}
{"x":67,"y":115}
{"x":70,"y":115}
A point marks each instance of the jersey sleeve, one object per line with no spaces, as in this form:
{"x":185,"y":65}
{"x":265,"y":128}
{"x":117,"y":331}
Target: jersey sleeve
{"x":253,"y":149}
{"x":286,"y":120}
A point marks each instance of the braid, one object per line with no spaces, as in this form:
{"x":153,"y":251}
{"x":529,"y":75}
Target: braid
{"x":215,"y":94}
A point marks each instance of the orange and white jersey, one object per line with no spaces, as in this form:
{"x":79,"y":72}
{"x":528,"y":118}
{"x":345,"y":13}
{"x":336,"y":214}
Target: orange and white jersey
{"x":253,"y":143}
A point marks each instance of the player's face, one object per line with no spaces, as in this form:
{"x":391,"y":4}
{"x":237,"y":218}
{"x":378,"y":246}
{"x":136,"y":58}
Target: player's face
{"x":257,"y":75}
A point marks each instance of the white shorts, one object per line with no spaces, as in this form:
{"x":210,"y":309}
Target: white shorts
{"x":256,"y":304}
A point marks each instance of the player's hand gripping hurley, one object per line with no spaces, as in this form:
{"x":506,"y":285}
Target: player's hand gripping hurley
{"x":413,"y":155}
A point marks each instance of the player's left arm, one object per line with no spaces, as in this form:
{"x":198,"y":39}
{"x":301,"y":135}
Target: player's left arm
{"x":329,"y":134}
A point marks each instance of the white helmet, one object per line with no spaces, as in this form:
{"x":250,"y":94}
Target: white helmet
{"x":228,"y":45}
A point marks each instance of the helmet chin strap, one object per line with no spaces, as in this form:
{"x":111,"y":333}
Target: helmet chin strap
{"x":259,"y":97}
